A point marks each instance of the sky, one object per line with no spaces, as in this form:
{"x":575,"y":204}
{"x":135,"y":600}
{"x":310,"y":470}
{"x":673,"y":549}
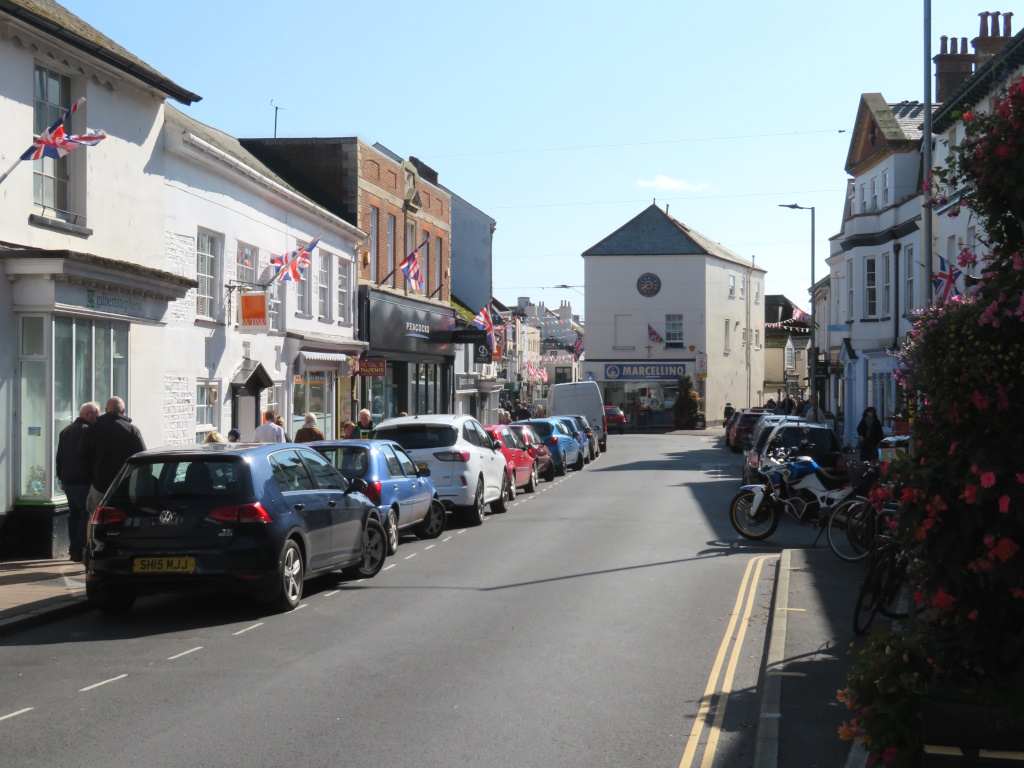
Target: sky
{"x":562,"y":120}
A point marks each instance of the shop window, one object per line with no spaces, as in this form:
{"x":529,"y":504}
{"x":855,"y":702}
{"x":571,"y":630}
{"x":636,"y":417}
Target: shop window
{"x":312,"y":393}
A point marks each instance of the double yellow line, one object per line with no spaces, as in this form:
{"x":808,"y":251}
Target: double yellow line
{"x":747,"y":592}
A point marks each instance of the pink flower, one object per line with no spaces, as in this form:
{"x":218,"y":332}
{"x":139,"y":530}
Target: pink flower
{"x":1020,"y":477}
{"x":966,"y":258}
{"x":988,"y":479}
{"x":1004,"y":503}
{"x":952,"y":448}
{"x":968,"y":116}
{"x":980,"y":401}
{"x":890,"y":754}
{"x":970,"y":494}
{"x":1004,"y":550}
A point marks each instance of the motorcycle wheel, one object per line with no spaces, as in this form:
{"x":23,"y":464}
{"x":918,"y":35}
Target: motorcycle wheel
{"x":741,"y":511}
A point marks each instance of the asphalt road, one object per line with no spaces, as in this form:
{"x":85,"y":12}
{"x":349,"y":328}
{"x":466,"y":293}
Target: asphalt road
{"x":597,"y":623}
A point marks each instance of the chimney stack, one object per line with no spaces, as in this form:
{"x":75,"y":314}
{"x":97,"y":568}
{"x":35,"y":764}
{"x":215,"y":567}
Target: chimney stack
{"x":955,"y":64}
{"x":989,"y":42}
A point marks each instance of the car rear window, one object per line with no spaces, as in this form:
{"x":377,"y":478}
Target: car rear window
{"x":821,"y":439}
{"x":413,"y":436}
{"x":542,"y":428}
{"x":614,"y":411}
{"x":351,"y":460}
{"x":151,"y":481}
{"x":749,"y":418}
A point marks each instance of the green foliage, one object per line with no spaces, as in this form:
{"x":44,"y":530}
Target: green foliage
{"x":687,"y":411}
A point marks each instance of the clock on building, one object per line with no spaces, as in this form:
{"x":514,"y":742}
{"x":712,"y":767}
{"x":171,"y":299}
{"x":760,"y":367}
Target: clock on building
{"x":648,"y":284}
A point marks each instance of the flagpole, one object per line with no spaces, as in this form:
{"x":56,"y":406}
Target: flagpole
{"x":10,"y":170}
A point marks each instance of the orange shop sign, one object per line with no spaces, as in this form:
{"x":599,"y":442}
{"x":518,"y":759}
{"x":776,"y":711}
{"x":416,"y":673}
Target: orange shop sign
{"x":254,"y":313}
{"x":373,"y":367}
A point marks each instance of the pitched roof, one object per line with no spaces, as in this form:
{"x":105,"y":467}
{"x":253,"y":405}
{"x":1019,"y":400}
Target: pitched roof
{"x":59,"y":22}
{"x":653,"y":232}
{"x":900,"y":125}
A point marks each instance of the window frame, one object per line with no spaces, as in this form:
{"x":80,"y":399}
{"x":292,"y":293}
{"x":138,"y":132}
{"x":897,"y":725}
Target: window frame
{"x":392,"y":226}
{"x":205,"y":406}
{"x":885,"y":188}
{"x":323,"y":284}
{"x":438,"y":257}
{"x":62,"y":169}
{"x":213,"y":257}
{"x":373,"y":233}
{"x":870,"y":286}
{"x":675,"y":330}
{"x":886,"y":268}
{"x":728,"y":345}
{"x":343,"y":291}
{"x":732,"y":286}
{"x":849,"y":291}
{"x":425,"y":264}
{"x":908,"y":259}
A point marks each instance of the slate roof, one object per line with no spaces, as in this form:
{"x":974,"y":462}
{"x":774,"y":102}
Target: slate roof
{"x":654,"y":233}
{"x":58,"y":21}
{"x":775,"y":340}
{"x":909,"y":116}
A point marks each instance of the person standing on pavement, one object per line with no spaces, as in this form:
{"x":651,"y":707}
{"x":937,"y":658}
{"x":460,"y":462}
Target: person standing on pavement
{"x":522,"y":412}
{"x":268,"y":431}
{"x":74,"y":475}
{"x":108,"y":442}
{"x":870,"y":435}
{"x":234,"y":435}
{"x":309,"y":430}
{"x":364,"y":429}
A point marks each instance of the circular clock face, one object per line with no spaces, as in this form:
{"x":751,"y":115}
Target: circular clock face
{"x":648,"y":284}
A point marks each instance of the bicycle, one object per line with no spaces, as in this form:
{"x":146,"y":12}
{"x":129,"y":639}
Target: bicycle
{"x":850,"y":526}
{"x":885,"y":588}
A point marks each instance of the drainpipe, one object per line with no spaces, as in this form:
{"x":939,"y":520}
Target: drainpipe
{"x":896,"y":248}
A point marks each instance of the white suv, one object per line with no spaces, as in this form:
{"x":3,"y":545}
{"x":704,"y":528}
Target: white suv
{"x":466,"y":465}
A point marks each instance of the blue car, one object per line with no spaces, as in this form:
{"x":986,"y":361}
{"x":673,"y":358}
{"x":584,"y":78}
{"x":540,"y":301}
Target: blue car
{"x":404,"y":496}
{"x":563,"y":445}
{"x":259,"y":518}
{"x":577,"y":431}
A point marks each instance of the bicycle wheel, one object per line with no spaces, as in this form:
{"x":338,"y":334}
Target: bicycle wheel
{"x":869,"y":599}
{"x":895,"y":591}
{"x":849,"y":529}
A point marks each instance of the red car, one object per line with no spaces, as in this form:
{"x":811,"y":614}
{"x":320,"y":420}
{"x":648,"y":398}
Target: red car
{"x":522,"y":469}
{"x":534,"y":444}
{"x":742,"y":427}
{"x":615,"y":419}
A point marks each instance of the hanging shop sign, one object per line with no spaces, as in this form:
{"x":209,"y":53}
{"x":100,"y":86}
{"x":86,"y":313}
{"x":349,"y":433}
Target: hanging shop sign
{"x":254,"y":313}
{"x":377,"y":367}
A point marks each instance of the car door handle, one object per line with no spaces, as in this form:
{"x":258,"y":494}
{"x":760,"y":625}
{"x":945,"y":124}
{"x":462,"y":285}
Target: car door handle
{"x":299,"y":507}
{"x":332,"y":503}
{"x":395,"y":486}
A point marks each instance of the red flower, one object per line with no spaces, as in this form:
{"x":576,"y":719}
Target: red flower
{"x":988,"y":479}
{"x":1004,"y":503}
{"x":973,"y":615}
{"x":943,"y":600}
{"x":1004,"y":550}
{"x":1002,"y":151}
{"x":980,"y":401}
{"x":968,"y":116}
{"x":890,"y":754}
{"x":970,"y":494}
{"x":909,"y":495}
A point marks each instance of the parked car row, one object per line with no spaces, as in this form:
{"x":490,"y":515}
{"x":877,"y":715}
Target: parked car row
{"x":760,"y":434}
{"x":263,"y":518}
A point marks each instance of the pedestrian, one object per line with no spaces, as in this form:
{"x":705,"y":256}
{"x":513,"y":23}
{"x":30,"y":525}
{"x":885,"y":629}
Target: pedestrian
{"x":309,"y":430}
{"x":280,"y":422}
{"x":269,"y":431}
{"x":214,"y":437}
{"x":364,"y":429}
{"x":74,"y":475}
{"x":522,"y":412}
{"x":870,"y":435}
{"x":234,"y":435}
{"x":403,"y":413}
{"x":346,"y":429}
{"x":107,"y":443}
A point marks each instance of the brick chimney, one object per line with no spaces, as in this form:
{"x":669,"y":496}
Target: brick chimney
{"x":955,"y":63}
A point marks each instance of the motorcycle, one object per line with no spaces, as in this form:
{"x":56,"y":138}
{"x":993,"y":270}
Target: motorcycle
{"x":793,"y":485}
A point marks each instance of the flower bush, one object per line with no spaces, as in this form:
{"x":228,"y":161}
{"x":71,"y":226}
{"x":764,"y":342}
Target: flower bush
{"x":686,"y":411}
{"x":962,"y":490}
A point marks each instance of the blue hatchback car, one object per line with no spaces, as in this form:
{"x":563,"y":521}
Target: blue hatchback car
{"x":254,"y":517}
{"x":564,"y":447}
{"x":405,"y":497}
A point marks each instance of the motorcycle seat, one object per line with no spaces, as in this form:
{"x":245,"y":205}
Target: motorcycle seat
{"x":831,"y":481}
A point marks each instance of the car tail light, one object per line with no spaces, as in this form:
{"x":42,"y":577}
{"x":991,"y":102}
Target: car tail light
{"x":241,"y":513}
{"x":841,"y":464}
{"x":604,"y":422}
{"x":372,"y":491}
{"x":753,"y":458}
{"x":108,"y":515}
{"x":462,"y":456}
{"x":551,"y":440}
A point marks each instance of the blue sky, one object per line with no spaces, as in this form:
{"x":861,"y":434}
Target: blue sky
{"x":564,"y":119}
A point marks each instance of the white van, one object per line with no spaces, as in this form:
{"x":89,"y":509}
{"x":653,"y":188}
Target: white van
{"x":583,"y":398}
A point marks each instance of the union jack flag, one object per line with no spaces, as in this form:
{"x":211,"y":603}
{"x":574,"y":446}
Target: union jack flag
{"x":544,"y":375}
{"x":577,"y":350}
{"x":289,"y":268}
{"x":55,"y":143}
{"x":411,"y":267}
{"x":484,"y":322}
{"x":653,"y":335}
{"x":799,"y":316}
{"x":945,"y":281}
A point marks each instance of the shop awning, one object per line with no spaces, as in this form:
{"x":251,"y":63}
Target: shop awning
{"x":315,"y":360}
{"x":323,"y":357}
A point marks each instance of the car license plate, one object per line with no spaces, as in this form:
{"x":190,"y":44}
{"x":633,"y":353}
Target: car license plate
{"x":164,"y":565}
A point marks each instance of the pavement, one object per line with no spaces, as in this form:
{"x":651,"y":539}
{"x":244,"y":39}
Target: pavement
{"x":806,"y":663}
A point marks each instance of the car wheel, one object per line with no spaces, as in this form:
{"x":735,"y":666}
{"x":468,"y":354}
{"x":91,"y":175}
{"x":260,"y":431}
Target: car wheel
{"x":375,"y":544}
{"x":290,"y":573}
{"x":532,"y":485}
{"x":549,"y":473}
{"x":561,"y":467}
{"x":579,"y":462}
{"x":500,"y":504}
{"x":593,"y":455}
{"x":512,"y":490}
{"x":392,"y":531}
{"x":433,"y":524}
{"x":474,"y":515}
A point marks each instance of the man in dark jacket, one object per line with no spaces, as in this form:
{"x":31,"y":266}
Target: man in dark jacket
{"x":74,"y":475}
{"x":111,"y":440}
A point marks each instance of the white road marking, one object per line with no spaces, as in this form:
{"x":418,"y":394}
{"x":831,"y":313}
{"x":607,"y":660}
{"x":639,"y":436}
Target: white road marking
{"x":185,"y":653}
{"x":19,"y":712}
{"x":359,"y":581}
{"x":389,"y":567}
{"x":332,"y":592}
{"x":464,"y":530}
{"x":239,"y":632}
{"x":446,"y":538}
{"x":410,"y":556}
{"x":429,"y":546}
{"x":300,"y":607}
{"x":97,"y":685}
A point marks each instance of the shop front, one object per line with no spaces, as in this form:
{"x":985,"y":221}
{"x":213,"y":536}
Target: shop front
{"x":409,"y":364}
{"x":645,"y":391}
{"x":322,"y":385}
{"x":84,"y":329}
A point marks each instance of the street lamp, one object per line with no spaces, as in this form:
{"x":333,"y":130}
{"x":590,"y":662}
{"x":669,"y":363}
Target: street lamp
{"x":814,"y":340}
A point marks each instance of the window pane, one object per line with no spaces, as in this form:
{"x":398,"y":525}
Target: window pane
{"x":83,"y":361}
{"x":64,"y":408}
{"x":101,"y":357}
{"x":40,"y":85}
{"x":34,"y":468}
{"x":119,"y":365}
{"x":32,"y":336}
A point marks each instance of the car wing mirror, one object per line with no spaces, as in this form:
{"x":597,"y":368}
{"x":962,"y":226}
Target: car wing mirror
{"x":356,"y":485}
{"x":495,"y":444}
{"x":423,"y":472}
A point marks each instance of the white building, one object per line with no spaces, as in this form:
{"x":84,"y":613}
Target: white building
{"x":655,"y":274}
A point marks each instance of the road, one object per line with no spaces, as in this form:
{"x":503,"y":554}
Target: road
{"x":597,"y":623}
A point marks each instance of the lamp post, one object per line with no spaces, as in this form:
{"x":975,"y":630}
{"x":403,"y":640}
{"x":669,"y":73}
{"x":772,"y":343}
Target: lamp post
{"x":814,"y":340}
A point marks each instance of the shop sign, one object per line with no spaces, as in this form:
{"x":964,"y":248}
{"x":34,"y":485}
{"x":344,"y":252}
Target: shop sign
{"x":110,"y":302}
{"x":403,"y":325}
{"x":466,"y":382}
{"x":495,"y":355}
{"x":254,"y":313}
{"x":377,"y":367}
{"x":643,"y":371}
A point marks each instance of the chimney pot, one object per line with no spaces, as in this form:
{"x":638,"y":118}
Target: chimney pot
{"x":1006,"y":23}
{"x":942,"y":48}
{"x":952,"y":47}
{"x":983,"y":30}
{"x":995,"y":23}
